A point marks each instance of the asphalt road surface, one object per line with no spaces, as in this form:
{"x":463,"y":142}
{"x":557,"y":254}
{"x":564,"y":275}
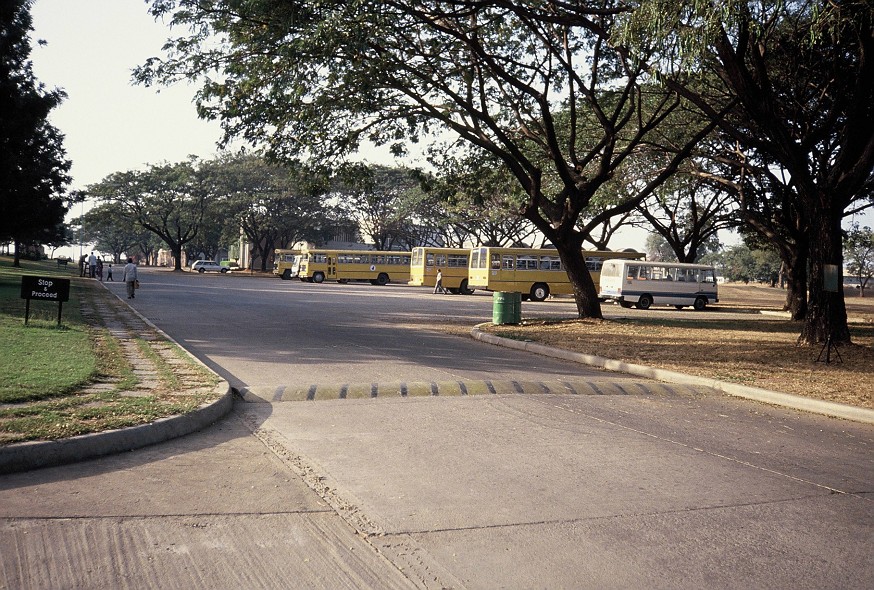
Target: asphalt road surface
{"x":611,"y":483}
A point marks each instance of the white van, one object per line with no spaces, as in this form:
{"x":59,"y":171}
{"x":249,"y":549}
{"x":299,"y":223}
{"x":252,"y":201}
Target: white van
{"x":632,"y":282}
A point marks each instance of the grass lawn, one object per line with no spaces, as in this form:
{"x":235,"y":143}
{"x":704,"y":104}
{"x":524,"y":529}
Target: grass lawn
{"x":40,"y":359}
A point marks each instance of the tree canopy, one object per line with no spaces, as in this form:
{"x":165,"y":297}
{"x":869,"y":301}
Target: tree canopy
{"x":547,"y":97}
{"x":167,"y":199}
{"x":33,"y":165}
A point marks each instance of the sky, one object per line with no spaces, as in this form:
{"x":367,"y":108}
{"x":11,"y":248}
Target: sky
{"x":112,"y":125}
{"x":109,"y":123}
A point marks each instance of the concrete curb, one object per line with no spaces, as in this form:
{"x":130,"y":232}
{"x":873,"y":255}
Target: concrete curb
{"x":26,"y":456}
{"x":33,"y":455}
{"x":787,"y":400}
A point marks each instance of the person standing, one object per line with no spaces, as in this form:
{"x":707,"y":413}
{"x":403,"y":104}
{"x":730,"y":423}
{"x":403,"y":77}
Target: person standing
{"x":109,"y":273}
{"x":438,"y":286}
{"x":92,"y":265}
{"x":130,"y":278}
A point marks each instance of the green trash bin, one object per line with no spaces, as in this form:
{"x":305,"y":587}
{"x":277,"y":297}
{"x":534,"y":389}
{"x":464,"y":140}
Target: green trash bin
{"x":506,"y":308}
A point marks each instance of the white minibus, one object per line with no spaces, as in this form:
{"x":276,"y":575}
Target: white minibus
{"x":642,"y":284}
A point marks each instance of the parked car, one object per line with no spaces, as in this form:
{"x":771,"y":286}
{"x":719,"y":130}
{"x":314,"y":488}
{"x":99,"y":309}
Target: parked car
{"x":208,"y":266}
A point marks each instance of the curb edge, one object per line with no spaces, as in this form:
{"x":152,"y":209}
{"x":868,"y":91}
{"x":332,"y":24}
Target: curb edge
{"x":788,"y":400}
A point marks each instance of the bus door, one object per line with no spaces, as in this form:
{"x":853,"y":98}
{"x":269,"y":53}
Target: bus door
{"x":332,"y":267}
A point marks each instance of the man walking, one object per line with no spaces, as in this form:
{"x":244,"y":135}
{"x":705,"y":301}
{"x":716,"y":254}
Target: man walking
{"x":438,"y":286}
{"x":130,"y":278}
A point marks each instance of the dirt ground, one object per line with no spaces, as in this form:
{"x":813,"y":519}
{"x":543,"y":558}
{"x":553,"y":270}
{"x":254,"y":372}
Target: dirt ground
{"x":750,"y":342}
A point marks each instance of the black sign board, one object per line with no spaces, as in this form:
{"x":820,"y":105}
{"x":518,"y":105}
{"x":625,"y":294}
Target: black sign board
{"x":44,"y":289}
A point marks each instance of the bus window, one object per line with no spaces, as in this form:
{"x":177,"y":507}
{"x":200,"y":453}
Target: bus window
{"x":429,"y":260}
{"x":524,"y":262}
{"x":496,"y":262}
{"x":457,"y":261}
{"x":550,"y":263}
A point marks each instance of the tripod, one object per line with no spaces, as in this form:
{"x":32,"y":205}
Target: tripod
{"x":827,"y":349}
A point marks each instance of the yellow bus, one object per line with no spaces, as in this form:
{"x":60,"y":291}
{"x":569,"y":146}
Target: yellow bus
{"x":286,"y":263}
{"x":536,"y":273}
{"x":379,"y":268}
{"x":453,"y":263}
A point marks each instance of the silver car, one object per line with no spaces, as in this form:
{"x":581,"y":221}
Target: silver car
{"x":208,"y":266}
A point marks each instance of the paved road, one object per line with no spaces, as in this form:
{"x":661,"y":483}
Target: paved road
{"x":263,"y":334}
{"x":621,"y":484}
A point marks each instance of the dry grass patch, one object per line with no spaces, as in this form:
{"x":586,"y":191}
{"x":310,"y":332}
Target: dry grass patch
{"x":738,"y":347}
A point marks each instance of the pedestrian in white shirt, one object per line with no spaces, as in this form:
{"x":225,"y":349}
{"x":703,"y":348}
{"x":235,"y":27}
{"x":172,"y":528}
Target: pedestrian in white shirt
{"x":130,"y":278}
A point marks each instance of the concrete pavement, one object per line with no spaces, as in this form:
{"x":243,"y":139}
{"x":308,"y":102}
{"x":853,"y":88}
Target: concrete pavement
{"x":600,"y":488}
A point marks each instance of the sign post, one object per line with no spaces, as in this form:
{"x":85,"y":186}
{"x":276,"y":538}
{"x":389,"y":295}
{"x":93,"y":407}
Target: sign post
{"x":45,"y":289}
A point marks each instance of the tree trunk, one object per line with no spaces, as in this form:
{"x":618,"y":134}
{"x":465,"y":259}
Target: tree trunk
{"x":826,"y":311}
{"x":795,"y":273}
{"x":177,"y":256}
{"x":16,"y":256}
{"x":585,"y":291}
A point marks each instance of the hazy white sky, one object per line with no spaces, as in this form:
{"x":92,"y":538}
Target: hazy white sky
{"x":110,"y":124}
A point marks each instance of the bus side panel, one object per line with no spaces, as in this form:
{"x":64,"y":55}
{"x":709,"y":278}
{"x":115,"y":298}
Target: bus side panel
{"x":478,"y":277}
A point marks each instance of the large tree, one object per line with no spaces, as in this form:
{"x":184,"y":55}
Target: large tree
{"x":33,"y":164}
{"x":167,"y":200}
{"x":382,"y":202}
{"x":801,"y":75}
{"x":688,"y":212}
{"x":108,"y":230}
{"x":480,"y":201}
{"x":272,"y":205}
{"x":536,"y":85}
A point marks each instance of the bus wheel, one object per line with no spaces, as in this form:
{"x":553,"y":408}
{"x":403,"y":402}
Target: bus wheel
{"x":539,"y":291}
{"x":286,"y":275}
{"x":382,"y":279}
{"x":318,"y":277}
{"x":700,"y":303}
{"x":644,"y":302}
{"x":463,"y":288}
